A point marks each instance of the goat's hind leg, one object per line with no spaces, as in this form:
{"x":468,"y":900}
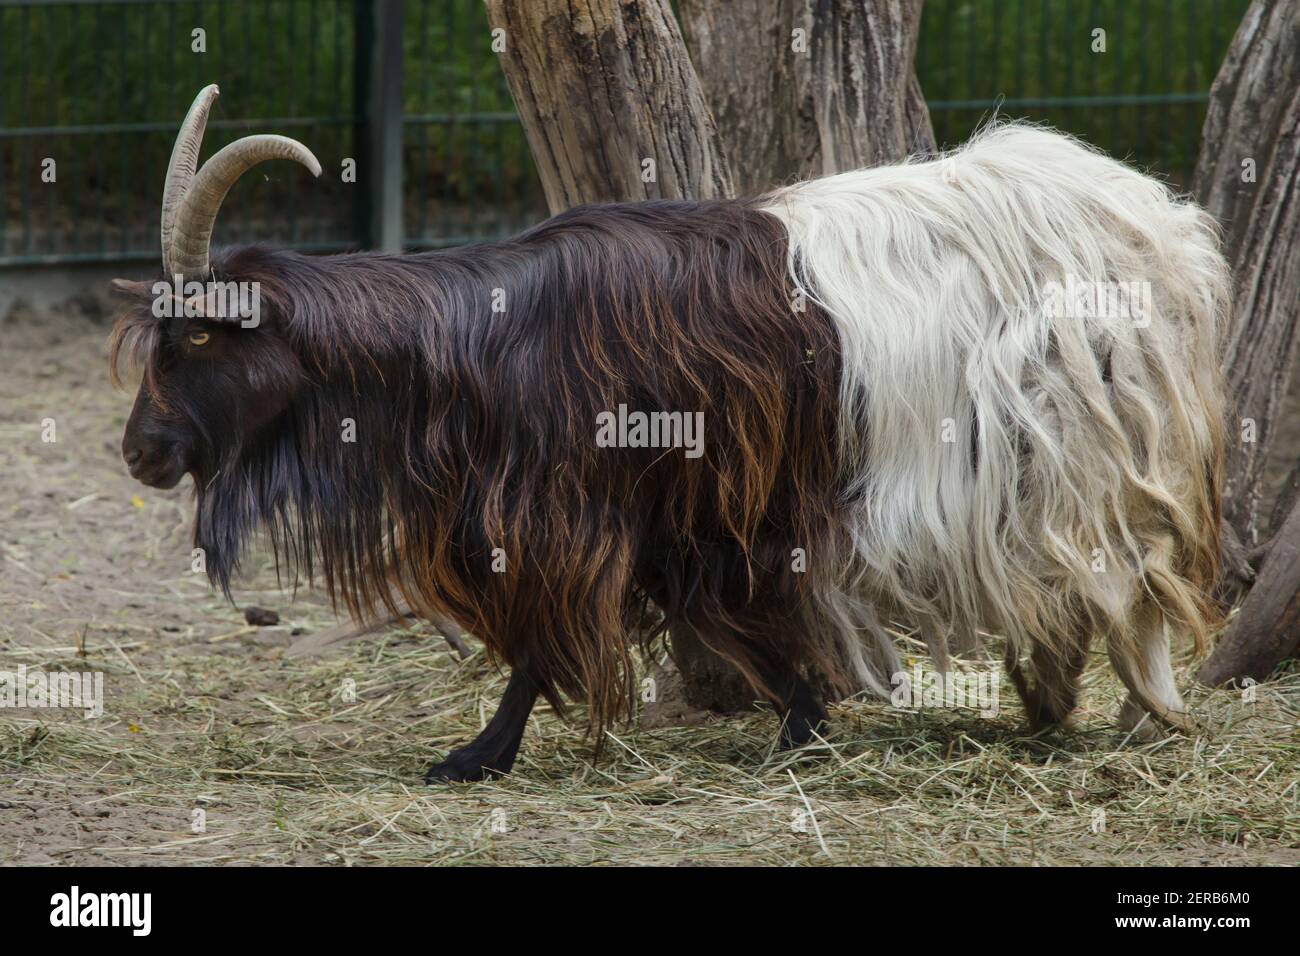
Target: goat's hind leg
{"x":1055,"y":691}
{"x":493,"y":751}
{"x":1140,"y":657}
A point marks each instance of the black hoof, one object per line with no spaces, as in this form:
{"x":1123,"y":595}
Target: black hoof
{"x":799,"y":731}
{"x":462,"y":766}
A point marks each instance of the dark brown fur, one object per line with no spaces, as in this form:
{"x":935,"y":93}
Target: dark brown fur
{"x":476,"y":431}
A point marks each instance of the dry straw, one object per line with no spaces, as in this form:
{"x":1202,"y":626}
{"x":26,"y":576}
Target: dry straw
{"x":289,"y":767}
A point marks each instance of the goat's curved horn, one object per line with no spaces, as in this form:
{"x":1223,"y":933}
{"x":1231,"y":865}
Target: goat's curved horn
{"x":184,"y":161}
{"x":191,"y":200}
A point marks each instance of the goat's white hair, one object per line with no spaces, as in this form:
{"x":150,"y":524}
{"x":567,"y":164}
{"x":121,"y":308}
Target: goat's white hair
{"x":1046,"y":473}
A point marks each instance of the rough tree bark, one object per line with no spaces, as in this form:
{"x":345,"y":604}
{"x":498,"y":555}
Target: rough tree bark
{"x":1248,"y":176}
{"x":1266,"y":631}
{"x":755,"y":71}
{"x":867,"y":101}
{"x":604,"y":87}
{"x":802,"y":88}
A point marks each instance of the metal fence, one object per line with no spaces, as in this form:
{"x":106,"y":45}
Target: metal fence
{"x":99,"y":87}
{"x":1131,"y":76}
{"x":91,"y":92}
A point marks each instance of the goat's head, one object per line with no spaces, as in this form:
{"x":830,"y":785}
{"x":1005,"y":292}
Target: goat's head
{"x":216,"y":367}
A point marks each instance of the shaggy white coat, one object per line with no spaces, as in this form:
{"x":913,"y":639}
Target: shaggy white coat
{"x":1014,"y":460}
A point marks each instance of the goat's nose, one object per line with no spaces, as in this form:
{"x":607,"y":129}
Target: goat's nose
{"x":131,"y":456}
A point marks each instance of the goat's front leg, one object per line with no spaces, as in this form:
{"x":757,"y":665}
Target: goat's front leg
{"x":803,"y":715}
{"x":493,"y":751}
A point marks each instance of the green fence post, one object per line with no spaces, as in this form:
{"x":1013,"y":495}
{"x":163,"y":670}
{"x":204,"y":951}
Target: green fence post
{"x":378,"y":139}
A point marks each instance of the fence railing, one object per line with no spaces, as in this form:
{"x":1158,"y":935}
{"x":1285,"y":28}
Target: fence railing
{"x":91,"y":92}
{"x":1130,"y":76}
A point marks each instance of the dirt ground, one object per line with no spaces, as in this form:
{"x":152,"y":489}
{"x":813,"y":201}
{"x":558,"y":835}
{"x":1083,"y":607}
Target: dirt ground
{"x":215,"y":748}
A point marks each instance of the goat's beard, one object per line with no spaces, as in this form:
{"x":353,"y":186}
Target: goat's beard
{"x":258,"y":487}
{"x":230,"y":507}
{"x":315,"y":513}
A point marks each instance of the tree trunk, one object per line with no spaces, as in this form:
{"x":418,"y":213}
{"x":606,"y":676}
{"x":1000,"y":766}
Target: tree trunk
{"x":867,"y":101}
{"x":1266,"y":630}
{"x":801,"y":88}
{"x":752,"y":58}
{"x":1248,"y":176}
{"x":609,"y":101}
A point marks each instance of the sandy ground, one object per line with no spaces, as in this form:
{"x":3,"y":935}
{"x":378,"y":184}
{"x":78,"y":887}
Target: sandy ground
{"x":215,"y":748}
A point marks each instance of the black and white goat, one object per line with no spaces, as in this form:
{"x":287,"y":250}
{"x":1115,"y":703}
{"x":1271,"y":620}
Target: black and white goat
{"x":979,"y":394}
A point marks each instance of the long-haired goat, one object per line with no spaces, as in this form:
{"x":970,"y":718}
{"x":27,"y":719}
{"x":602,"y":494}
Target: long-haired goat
{"x":906,"y":409}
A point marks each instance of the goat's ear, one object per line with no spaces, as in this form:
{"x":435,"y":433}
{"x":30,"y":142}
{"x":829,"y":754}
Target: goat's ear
{"x":131,"y":287}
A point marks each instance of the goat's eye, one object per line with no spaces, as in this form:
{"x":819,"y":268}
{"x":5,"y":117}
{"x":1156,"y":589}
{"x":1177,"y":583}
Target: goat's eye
{"x":199,"y":338}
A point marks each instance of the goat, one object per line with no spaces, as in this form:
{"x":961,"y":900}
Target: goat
{"x":894,"y":420}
